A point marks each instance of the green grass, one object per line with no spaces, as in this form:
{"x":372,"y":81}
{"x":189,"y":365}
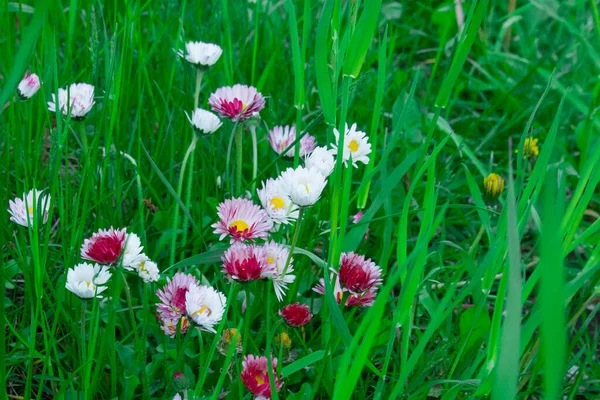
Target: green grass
{"x":480,"y":299}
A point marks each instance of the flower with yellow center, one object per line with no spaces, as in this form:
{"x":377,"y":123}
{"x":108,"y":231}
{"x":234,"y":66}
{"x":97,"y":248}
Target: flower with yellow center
{"x":493,"y":185}
{"x":87,"y":280}
{"x":277,"y":256}
{"x":228,"y":335}
{"x":21,"y":210}
{"x":530,"y":148}
{"x":276,"y":202}
{"x":356,"y":145}
{"x":242,"y":220}
{"x":205,"y":306}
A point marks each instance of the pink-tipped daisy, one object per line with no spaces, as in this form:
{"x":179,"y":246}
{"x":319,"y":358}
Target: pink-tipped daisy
{"x":238,"y":102}
{"x":255,"y":375}
{"x":365,"y":299}
{"x":76,"y":100}
{"x":243,"y":262}
{"x":172,"y":312}
{"x":296,"y":314}
{"x":281,"y":137}
{"x":21,"y":210}
{"x":28,"y":86}
{"x":105,"y":246}
{"x":358,"y":275}
{"x":242,"y":220}
{"x":281,"y":276}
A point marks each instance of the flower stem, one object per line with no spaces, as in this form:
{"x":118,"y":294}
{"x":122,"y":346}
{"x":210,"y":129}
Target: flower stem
{"x":238,"y":150}
{"x":254,"y":157}
{"x":84,"y":141}
{"x":294,"y":240}
{"x":130,"y":305}
{"x":82,"y":334}
{"x":199,"y":74}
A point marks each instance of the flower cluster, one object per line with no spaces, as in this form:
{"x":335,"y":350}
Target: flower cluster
{"x":184,"y":300}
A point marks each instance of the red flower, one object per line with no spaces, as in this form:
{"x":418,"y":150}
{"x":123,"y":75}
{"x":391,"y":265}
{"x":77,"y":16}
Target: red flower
{"x":244,"y":262}
{"x":105,"y":246}
{"x":296,"y":314}
{"x":357,"y":274}
{"x":255,"y":375}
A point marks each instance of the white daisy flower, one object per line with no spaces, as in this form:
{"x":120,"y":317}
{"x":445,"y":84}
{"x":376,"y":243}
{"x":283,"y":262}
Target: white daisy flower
{"x":204,"y":121}
{"x":322,"y":160}
{"x":276,"y":202}
{"x":87,"y":280}
{"x":133,"y":248}
{"x":356,"y":143}
{"x":205,"y":306}
{"x":28,"y":86}
{"x":303,"y":185}
{"x":277,"y":256}
{"x":21,"y":210}
{"x":146,"y":268}
{"x":201,"y":54}
{"x":77,"y":100}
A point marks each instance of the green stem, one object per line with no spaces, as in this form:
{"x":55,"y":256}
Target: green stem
{"x":294,"y":239}
{"x":254,"y":157}
{"x":130,"y":306}
{"x":84,"y":141}
{"x":83,"y":350}
{"x":239,"y":158}
{"x":199,"y":75}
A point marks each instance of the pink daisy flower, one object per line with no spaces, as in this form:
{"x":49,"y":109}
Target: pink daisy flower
{"x":244,"y":262}
{"x":105,"y":246}
{"x":358,"y":275}
{"x":172,"y":307}
{"x":365,"y":299}
{"x":238,"y":102}
{"x":255,"y":375}
{"x":242,"y":220}
{"x":296,"y":314}
{"x":281,"y":137}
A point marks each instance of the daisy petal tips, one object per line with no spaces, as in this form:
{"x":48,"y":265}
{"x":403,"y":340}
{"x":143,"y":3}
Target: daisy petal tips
{"x":204,"y":121}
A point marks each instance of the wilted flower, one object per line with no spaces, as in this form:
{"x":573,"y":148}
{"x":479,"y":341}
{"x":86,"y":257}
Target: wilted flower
{"x":237,"y":103}
{"x":276,"y":202}
{"x":228,"y":335}
{"x":172,"y":308}
{"x":296,"y":314}
{"x":530,"y":148}
{"x":87,"y":280}
{"x":77,"y":100}
{"x":105,"y":246}
{"x":201,"y":54}
{"x":242,"y":220}
{"x":277,"y":256}
{"x":204,"y":121}
{"x":356,"y":143}
{"x":255,"y":375}
{"x":21,"y":210}
{"x":358,"y":275}
{"x":243,"y":262}
{"x":303,"y":185}
{"x":205,"y":306}
{"x":28,"y":86}
{"x":281,"y":137}
{"x":322,"y":160}
{"x":493,"y":185}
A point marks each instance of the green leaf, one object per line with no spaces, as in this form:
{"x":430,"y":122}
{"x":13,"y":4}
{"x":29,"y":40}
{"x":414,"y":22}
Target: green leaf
{"x":208,"y":257}
{"x":473,"y":327}
{"x":361,"y":38}
{"x":302,"y":363}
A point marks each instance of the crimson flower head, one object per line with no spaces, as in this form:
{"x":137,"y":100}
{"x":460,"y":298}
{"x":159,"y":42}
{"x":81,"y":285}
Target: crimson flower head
{"x":105,"y":246}
{"x":358,"y":275}
{"x":296,"y":314}
{"x":244,"y":262}
{"x":255,"y":376}
{"x":238,"y":102}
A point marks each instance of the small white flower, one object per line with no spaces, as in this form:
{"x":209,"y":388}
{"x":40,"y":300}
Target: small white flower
{"x":205,"y":306}
{"x":276,"y":202}
{"x":28,"y":86}
{"x":87,"y":280}
{"x":77,"y":100}
{"x":356,"y":143}
{"x":322,"y":160}
{"x":204,"y":121}
{"x":146,"y":268}
{"x":22,"y":209}
{"x":277,"y":256}
{"x":133,"y":248}
{"x":303,"y":185}
{"x":201,"y":54}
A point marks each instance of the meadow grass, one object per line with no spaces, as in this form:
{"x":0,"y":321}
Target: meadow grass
{"x":480,"y":298}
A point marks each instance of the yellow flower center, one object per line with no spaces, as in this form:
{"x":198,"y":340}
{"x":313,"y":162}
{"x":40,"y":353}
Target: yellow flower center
{"x":201,"y":311}
{"x":353,"y":146}
{"x":277,"y":203}
{"x":239,"y":225}
{"x":260,"y":380}
{"x":284,"y":340}
{"x":270,"y":260}
{"x":30,"y":210}
{"x":307,"y":191}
